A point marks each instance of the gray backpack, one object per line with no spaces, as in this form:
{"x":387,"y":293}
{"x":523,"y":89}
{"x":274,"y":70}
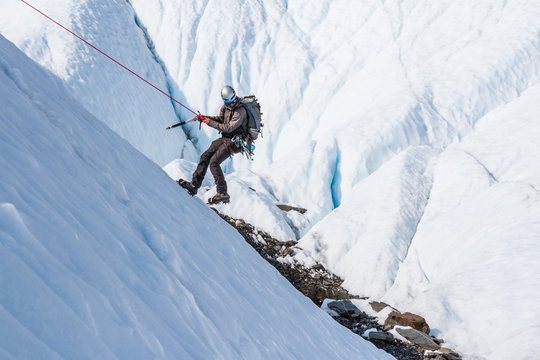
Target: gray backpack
{"x":254,"y":125}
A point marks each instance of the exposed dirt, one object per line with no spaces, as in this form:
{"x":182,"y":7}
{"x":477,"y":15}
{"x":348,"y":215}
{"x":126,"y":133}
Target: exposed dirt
{"x":317,"y":284}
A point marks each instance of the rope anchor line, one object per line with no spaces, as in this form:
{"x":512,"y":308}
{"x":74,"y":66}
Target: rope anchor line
{"x":109,"y":57}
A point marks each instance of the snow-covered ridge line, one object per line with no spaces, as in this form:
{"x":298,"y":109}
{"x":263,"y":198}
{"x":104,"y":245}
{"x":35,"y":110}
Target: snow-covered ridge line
{"x":323,"y":288}
{"x":130,"y":107}
{"x":347,"y":89}
{"x":102,"y":256}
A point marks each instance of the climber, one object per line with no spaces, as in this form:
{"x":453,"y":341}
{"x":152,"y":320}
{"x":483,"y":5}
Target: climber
{"x":231,"y":122}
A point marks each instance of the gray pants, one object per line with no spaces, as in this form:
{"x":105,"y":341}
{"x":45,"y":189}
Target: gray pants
{"x":219,"y":151}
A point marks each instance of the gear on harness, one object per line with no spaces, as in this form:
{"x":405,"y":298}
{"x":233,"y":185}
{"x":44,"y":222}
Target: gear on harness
{"x":253,"y":127}
{"x":245,"y":147}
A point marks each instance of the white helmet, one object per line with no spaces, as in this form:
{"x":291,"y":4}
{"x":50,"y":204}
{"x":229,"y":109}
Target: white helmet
{"x":228,"y":95}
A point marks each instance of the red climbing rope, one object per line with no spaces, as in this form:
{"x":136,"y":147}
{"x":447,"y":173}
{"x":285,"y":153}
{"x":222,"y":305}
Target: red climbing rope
{"x":117,"y":62}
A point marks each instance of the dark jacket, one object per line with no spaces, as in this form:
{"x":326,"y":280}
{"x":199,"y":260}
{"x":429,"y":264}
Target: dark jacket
{"x":231,"y":121}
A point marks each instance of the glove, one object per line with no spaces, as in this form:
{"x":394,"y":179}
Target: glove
{"x":201,"y":119}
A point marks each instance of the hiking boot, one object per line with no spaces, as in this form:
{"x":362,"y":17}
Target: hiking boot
{"x":191,"y":189}
{"x":219,"y":198}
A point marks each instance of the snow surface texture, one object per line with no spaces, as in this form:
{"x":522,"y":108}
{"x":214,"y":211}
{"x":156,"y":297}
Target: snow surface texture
{"x":476,"y":252}
{"x":359,"y":100}
{"x":352,"y":93}
{"x":345,"y":87}
{"x":472,"y":265}
{"x":250,"y":200}
{"x":129,"y":106}
{"x":101,"y":257}
{"x":386,"y":206}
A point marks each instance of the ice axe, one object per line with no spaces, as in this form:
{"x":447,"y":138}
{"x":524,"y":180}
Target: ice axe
{"x":198,"y":118}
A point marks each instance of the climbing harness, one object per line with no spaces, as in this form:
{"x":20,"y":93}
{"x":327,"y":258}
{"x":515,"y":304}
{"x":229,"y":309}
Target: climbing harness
{"x":245,"y":147}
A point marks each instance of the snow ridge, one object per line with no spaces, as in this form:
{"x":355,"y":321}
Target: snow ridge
{"x":129,"y":106}
{"x":388,"y":121}
{"x":102,"y":257}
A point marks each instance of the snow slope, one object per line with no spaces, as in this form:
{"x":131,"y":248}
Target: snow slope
{"x":410,"y":73}
{"x":473,"y":265}
{"x":252,"y":200}
{"x":102,"y":257}
{"x":345,"y":87}
{"x":130,"y":107}
{"x":361,"y":101}
{"x":467,"y":259}
{"x":368,"y":236}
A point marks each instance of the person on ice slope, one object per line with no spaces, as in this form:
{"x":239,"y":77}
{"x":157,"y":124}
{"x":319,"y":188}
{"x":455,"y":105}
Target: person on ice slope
{"x":231,"y":123}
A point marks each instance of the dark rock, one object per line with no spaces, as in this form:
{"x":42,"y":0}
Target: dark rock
{"x":434,"y":357}
{"x":415,"y":321}
{"x":377,"y":306}
{"x":288,"y":208}
{"x":451,"y":357}
{"x":317,"y":289}
{"x":442,"y":354}
{"x":321,"y":293}
{"x":449,"y":354}
{"x":381,"y":335}
{"x":418,"y":338}
{"x":344,"y":308}
{"x":286,"y":251}
{"x":357,"y":314}
{"x":341,"y":294}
